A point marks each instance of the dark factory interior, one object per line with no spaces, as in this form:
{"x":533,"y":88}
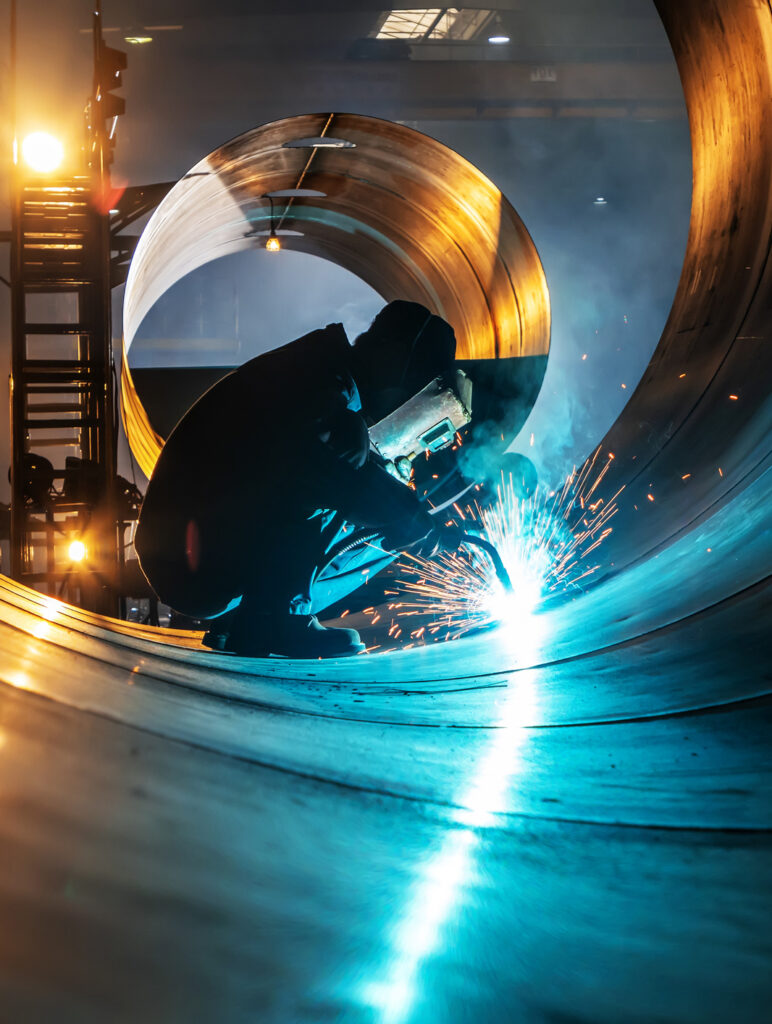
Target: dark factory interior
{"x":541,"y":791}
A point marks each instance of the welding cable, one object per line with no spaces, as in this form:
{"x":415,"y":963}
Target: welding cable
{"x":500,"y":569}
{"x":358,"y":537}
{"x":366,"y":536}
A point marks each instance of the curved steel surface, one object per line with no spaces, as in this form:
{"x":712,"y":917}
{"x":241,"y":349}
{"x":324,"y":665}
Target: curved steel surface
{"x":407,"y":215}
{"x":574,"y":826}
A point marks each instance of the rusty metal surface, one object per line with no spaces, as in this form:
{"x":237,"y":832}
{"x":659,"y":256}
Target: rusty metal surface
{"x":408,"y":215}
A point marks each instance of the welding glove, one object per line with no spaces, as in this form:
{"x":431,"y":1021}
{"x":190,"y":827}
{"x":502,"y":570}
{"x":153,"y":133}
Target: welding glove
{"x":422,"y":536}
{"x":444,"y":539}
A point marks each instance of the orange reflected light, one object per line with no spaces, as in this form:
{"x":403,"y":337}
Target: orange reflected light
{"x":51,"y":608}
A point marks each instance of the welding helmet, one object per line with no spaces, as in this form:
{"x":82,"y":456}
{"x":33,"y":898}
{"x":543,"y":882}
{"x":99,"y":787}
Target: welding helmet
{"x":405,"y":348}
{"x":416,"y":397}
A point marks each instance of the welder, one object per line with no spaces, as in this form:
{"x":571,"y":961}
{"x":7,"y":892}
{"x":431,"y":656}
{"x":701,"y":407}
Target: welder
{"x":272,"y":466}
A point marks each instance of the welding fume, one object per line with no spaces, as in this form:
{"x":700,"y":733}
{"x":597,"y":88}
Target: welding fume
{"x":252,"y":514}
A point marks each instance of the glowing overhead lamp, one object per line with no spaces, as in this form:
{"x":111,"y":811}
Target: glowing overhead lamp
{"x":498,"y":36}
{"x":42,"y":152}
{"x":138,"y":40}
{"x":77,"y":551}
{"x":272,"y":243}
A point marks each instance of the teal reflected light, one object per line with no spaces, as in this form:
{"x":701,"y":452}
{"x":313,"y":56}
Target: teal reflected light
{"x":544,"y":541}
{"x":446,"y":873}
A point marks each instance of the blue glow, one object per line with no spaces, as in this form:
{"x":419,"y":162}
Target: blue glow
{"x":544,"y":542}
{"x":442,"y":879}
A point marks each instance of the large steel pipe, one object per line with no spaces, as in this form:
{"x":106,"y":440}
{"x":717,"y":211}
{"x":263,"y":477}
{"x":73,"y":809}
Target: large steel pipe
{"x":409,"y":216}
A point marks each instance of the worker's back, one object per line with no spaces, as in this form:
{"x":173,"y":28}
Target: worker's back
{"x":237,"y":459}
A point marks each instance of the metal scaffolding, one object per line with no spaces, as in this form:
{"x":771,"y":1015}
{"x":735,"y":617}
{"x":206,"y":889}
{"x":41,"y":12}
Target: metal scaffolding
{"x":62,"y":397}
{"x":66,"y":539}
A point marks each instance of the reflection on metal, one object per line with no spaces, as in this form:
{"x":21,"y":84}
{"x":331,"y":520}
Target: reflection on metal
{"x":460,"y":832}
{"x":409,"y":216}
{"x":319,"y":142}
{"x":145,"y":442}
{"x":295,"y":193}
{"x":446,"y":874}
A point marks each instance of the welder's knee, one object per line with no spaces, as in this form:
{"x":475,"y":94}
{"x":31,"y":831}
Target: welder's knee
{"x":349,"y":438}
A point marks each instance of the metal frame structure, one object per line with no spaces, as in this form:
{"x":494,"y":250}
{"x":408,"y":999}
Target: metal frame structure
{"x":62,"y":397}
{"x":62,"y":376}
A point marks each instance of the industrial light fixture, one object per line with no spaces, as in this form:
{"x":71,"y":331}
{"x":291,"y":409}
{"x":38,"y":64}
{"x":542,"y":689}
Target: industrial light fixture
{"x":42,"y":152}
{"x":272,"y":243}
{"x":138,"y":40}
{"x":599,"y":201}
{"x":319,"y":142}
{"x":498,"y":36}
{"x":77,"y":551}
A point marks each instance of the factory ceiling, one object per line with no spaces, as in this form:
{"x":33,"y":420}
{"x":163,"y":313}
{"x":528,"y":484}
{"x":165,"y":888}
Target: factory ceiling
{"x":269,"y":60}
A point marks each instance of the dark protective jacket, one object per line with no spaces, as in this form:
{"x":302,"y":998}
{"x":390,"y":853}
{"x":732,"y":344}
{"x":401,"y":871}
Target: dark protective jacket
{"x":248,"y":465}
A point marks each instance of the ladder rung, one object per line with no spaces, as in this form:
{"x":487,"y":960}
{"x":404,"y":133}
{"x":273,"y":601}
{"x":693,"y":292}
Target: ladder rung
{"x":53,"y":407}
{"x":54,"y":207}
{"x":57,"y":284}
{"x":57,"y":507}
{"x":60,"y":384}
{"x":61,"y":424}
{"x":60,"y":381}
{"x":55,"y":577}
{"x":64,"y":329}
{"x":44,"y":274}
{"x":56,"y":442}
{"x":30,"y":365}
{"x":81,"y":388}
{"x":39,"y":263}
{"x":56,"y":193}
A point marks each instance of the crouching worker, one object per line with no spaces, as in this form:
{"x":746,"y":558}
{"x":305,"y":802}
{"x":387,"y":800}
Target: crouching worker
{"x":269,"y":469}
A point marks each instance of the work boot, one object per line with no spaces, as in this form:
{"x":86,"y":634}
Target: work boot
{"x":291,"y":636}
